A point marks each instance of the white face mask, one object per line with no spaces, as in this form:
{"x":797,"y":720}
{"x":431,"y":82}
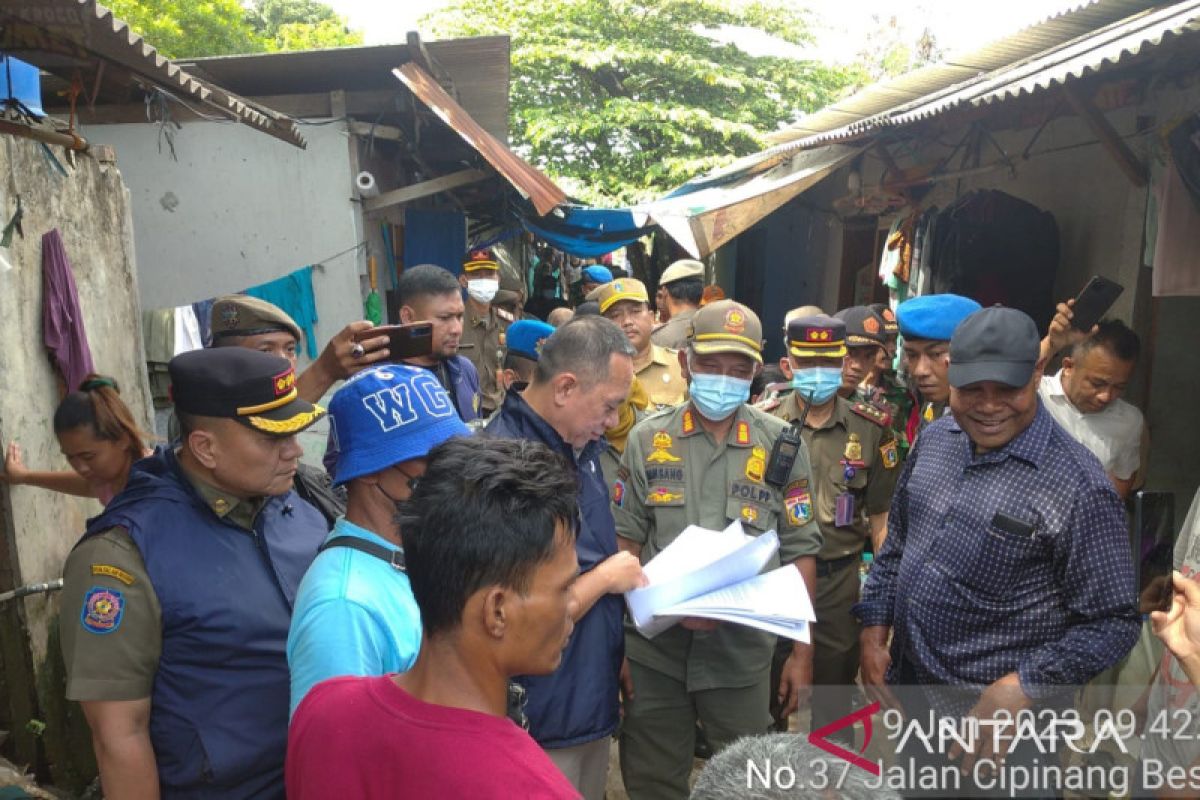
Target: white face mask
{"x":483,"y":289}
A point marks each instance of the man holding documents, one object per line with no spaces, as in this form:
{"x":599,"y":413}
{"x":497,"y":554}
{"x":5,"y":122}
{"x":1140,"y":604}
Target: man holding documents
{"x":854,"y":463}
{"x":709,"y":462}
{"x":1006,"y":576}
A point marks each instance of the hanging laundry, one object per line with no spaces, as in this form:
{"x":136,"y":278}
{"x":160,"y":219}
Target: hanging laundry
{"x":62,"y":319}
{"x":1177,"y":243}
{"x":203,"y":309}
{"x":158,"y":338}
{"x":187,"y":331}
{"x":294,"y":294}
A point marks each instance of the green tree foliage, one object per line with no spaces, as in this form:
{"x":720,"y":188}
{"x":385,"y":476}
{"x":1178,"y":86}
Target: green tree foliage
{"x":623,"y":99}
{"x":300,"y":25}
{"x":188,"y":28}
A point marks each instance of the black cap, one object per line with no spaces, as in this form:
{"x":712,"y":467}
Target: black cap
{"x":256,"y":389}
{"x":818,"y":336}
{"x":994,"y":344}
{"x":890,"y":326}
{"x":864,"y":328}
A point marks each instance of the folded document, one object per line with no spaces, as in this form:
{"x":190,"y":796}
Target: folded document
{"x":716,"y":575}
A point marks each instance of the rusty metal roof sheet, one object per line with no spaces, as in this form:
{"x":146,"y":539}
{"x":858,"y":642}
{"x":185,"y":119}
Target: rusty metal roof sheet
{"x":959,"y":68}
{"x":526,"y":179}
{"x":65,"y":36}
{"x":1109,"y":46}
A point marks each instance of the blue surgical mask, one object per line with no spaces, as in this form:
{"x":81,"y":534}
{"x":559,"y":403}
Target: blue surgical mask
{"x":718,"y":396}
{"x":817,"y":384}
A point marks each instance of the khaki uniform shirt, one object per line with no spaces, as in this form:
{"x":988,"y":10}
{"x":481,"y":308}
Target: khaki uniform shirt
{"x":662,"y":378}
{"x":483,"y":341}
{"x":121,"y":663}
{"x":673,"y":333}
{"x":673,"y":475}
{"x":853,"y":441}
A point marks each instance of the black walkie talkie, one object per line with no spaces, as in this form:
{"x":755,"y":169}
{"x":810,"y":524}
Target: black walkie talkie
{"x":786,"y":448}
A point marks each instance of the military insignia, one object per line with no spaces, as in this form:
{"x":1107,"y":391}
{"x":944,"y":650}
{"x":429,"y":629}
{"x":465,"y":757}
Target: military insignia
{"x":735,"y":320}
{"x":229,"y":315}
{"x":113,"y":572}
{"x":663,"y":496}
{"x":220,"y":505}
{"x":889,"y":455}
{"x":928,"y":412}
{"x":756,"y":465}
{"x":539,"y":344}
{"x":853,"y":448}
{"x":662,"y":440}
{"x":689,"y":422}
{"x":618,"y":494}
{"x":285,"y":382}
{"x":871,"y":325}
{"x":102,"y":610}
{"x":872,"y":413}
{"x":743,"y":433}
{"x":622,"y":473}
{"x":750,"y":514}
{"x":662,"y":457}
{"x":797,"y":499}
{"x":503,"y":339}
{"x":618,"y":287}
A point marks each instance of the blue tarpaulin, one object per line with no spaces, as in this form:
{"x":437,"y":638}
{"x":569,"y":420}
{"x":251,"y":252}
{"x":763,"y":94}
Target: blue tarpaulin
{"x":587,"y":232}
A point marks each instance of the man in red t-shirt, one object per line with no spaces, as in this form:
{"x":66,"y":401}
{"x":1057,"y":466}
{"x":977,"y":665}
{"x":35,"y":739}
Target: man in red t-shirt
{"x":489,"y":545}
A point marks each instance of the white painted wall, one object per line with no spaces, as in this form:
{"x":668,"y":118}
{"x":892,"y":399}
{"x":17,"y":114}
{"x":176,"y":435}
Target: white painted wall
{"x":239,"y":208}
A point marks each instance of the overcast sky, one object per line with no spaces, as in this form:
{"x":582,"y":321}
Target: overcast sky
{"x":957,"y":24}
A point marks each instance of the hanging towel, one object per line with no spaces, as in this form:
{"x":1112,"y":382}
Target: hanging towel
{"x":294,"y":294}
{"x":203,"y":309}
{"x":62,"y":319}
{"x":187,"y":331}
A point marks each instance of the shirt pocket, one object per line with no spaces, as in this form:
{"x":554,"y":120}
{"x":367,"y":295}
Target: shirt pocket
{"x":1004,"y":553}
{"x":840,"y":483}
{"x":756,"y":514}
{"x":668,"y":503}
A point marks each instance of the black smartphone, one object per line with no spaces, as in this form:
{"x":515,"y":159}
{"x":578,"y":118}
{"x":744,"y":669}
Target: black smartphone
{"x":1154,"y":543}
{"x":1092,"y":303}
{"x":404,"y":341}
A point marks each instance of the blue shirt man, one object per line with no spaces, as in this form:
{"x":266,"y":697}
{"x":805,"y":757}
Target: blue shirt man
{"x":1006,"y":572}
{"x":355,"y":612}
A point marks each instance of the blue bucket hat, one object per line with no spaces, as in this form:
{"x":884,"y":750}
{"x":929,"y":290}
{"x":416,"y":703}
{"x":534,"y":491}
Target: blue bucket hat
{"x":389,"y":414}
{"x":934,"y":316}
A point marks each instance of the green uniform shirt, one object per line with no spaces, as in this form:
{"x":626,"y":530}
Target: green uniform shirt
{"x":673,"y":334}
{"x":673,"y":475}
{"x":120,"y":664}
{"x":483,"y":344}
{"x":854,"y":439}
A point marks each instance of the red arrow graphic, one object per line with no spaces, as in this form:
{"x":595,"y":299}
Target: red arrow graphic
{"x":818,"y":737}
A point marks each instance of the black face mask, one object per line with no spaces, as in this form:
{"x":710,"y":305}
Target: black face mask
{"x":399,"y":504}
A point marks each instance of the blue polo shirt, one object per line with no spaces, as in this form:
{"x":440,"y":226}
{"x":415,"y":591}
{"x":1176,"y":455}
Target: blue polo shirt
{"x":355,"y":615}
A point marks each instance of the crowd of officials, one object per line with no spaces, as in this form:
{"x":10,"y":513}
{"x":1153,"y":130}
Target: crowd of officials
{"x":439,"y":613}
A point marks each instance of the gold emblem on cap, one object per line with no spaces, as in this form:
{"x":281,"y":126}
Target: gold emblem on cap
{"x":735,"y":320}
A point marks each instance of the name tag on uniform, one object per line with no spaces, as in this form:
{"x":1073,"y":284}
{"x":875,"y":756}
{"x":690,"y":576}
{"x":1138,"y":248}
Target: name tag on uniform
{"x":843,"y":515}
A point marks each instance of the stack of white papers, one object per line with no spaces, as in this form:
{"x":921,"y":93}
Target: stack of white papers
{"x":715,"y":575}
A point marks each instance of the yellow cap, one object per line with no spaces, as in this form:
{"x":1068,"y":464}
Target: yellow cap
{"x":621,"y":289}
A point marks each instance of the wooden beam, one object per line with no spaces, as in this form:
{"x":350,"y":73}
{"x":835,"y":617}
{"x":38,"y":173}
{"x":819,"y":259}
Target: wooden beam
{"x":367,"y":130}
{"x":1129,"y":163}
{"x":421,"y":55}
{"x":425,"y":189}
{"x":889,"y":163}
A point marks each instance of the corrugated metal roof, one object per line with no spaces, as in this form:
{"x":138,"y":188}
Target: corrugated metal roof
{"x":961,"y":67}
{"x":61,"y":36}
{"x":1108,"y":46}
{"x":532,"y":184}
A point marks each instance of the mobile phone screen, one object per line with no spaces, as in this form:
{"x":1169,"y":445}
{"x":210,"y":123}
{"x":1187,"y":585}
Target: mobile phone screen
{"x":1154,"y":540}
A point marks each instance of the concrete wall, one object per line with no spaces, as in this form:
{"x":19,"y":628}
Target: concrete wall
{"x":238,"y":208}
{"x":90,"y":207}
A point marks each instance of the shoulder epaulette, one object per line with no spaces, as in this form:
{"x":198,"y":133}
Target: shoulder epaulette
{"x":868,"y":411}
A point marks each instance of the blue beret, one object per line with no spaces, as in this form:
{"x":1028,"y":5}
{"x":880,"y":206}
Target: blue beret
{"x":525,"y":337}
{"x":597,"y":274}
{"x":934,"y":316}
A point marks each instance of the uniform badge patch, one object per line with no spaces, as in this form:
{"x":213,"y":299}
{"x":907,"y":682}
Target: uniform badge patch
{"x":102,"y":610}
{"x":798,"y":502}
{"x":661,"y":496}
{"x":735,"y":321}
{"x":689,"y":422}
{"x":889,"y":455}
{"x":756,"y":465}
{"x":853,"y":448}
{"x":750,"y":514}
{"x":113,"y":572}
{"x":662,"y":454}
{"x":928,"y":413}
{"x":618,"y":494}
{"x":743,"y":433}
